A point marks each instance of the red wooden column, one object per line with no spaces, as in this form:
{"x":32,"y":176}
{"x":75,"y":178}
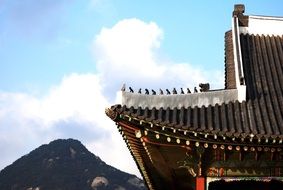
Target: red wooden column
{"x":200,"y":183}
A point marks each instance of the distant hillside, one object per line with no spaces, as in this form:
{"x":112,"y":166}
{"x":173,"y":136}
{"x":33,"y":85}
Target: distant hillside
{"x":65,"y":165}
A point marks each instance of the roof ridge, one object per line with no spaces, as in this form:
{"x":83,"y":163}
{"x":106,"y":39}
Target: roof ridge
{"x":203,"y":87}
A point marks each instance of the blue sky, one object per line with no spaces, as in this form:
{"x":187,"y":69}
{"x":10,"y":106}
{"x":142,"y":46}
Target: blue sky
{"x":62,"y":61}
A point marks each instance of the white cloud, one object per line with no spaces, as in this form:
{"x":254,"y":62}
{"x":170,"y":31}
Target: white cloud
{"x":130,"y":45}
{"x":127,"y":52}
{"x":77,"y":96}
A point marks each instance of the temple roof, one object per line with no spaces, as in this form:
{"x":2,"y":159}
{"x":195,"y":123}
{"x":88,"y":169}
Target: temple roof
{"x":219,"y":111}
{"x":253,"y":107}
{"x":159,"y":129}
{"x":234,"y":119}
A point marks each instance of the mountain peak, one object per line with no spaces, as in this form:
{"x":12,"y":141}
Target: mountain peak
{"x":65,"y":164}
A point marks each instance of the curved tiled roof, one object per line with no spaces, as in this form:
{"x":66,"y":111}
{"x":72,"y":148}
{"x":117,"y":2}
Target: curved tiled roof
{"x":263,"y":66}
{"x":261,"y":113}
{"x":234,"y":119}
{"x":248,"y":112}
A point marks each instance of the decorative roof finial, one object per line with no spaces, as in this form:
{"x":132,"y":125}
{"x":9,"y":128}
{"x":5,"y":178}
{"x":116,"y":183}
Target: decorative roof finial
{"x":174,"y":91}
{"x":168,"y":92}
{"x":188,"y":91}
{"x":239,"y":9}
{"x":204,"y":87}
{"x":195,"y":90}
{"x":140,"y":91}
{"x":123,"y":87}
{"x":146,"y":91}
{"x":153,"y":92}
{"x":131,"y":90}
{"x":182,"y":91}
{"x":161,"y":91}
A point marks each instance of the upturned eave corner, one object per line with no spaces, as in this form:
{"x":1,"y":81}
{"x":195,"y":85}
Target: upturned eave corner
{"x":111,"y":113}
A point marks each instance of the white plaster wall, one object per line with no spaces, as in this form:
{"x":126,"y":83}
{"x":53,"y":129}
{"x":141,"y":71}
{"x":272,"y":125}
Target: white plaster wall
{"x":263,"y":25}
